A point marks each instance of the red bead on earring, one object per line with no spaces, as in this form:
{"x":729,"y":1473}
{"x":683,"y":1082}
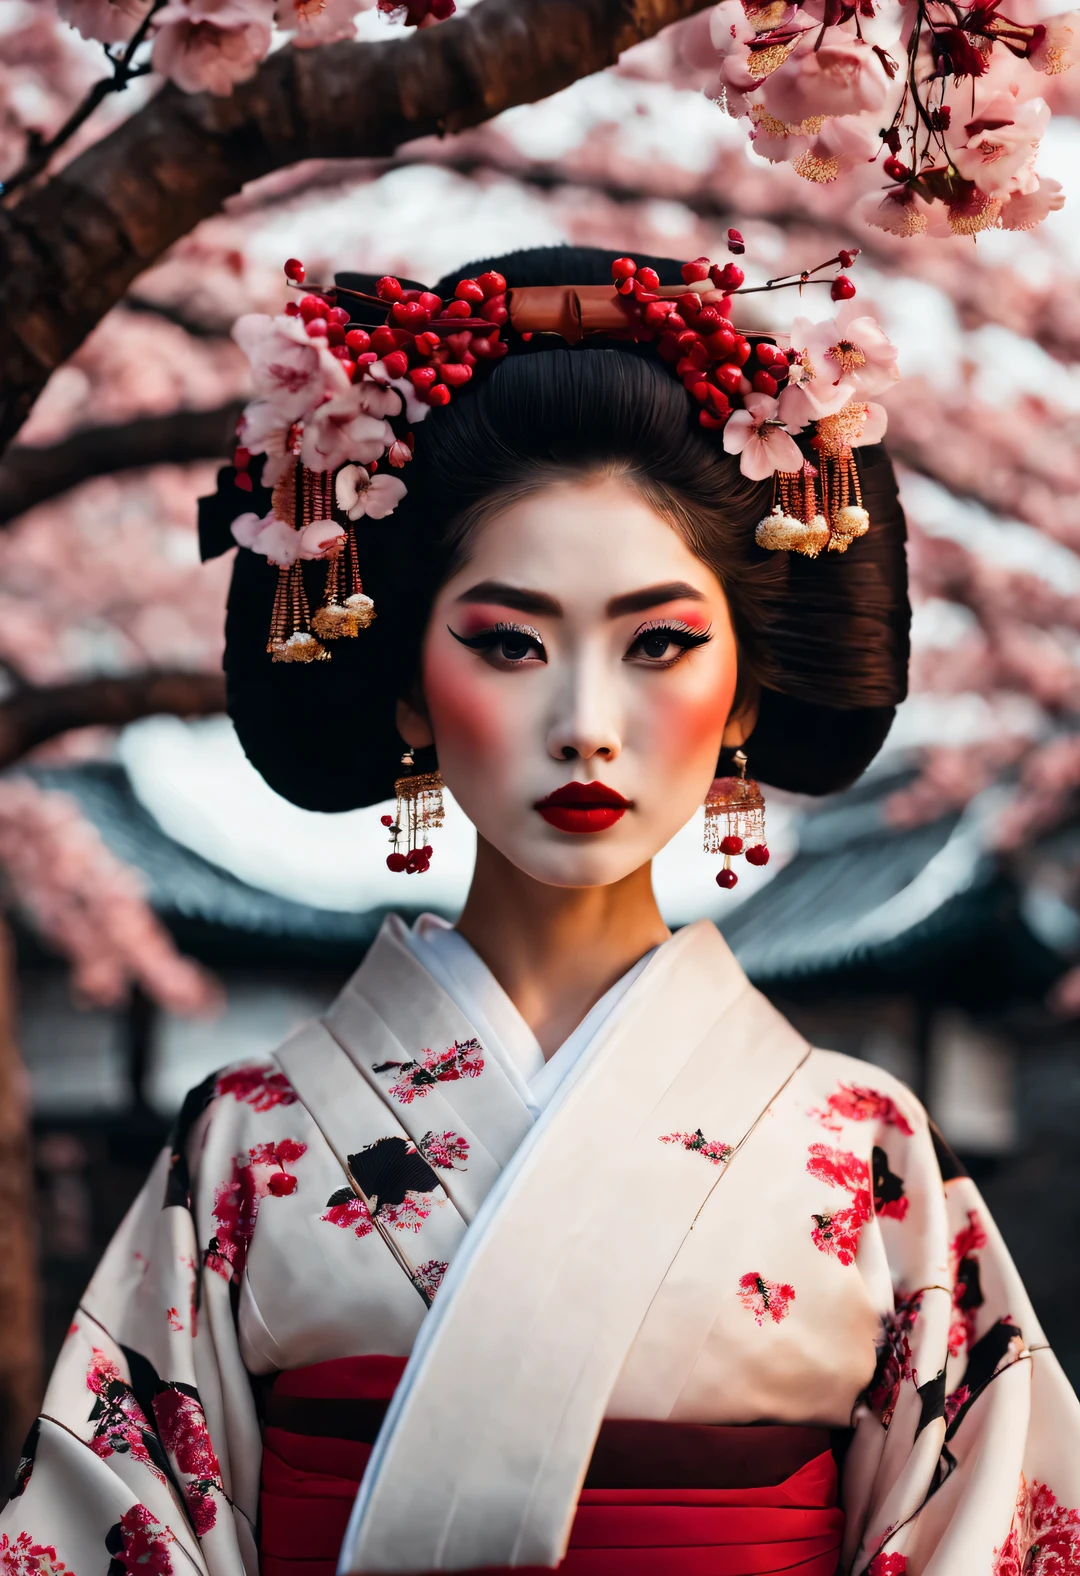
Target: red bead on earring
{"x":735,"y":822}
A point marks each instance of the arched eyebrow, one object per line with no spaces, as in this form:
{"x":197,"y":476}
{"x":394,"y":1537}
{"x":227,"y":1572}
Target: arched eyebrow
{"x":526,"y":601}
{"x":653,"y":596}
{"x":518,"y":597}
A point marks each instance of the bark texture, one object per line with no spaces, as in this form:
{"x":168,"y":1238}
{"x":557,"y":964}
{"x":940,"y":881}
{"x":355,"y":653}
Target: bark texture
{"x":71,"y":247}
{"x":30,"y":475}
{"x":33,"y":715}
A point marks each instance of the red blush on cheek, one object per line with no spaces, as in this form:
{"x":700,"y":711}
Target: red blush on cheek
{"x":465,"y":714}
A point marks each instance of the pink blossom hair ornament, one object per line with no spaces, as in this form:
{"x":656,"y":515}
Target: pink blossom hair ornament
{"x":337,"y":401}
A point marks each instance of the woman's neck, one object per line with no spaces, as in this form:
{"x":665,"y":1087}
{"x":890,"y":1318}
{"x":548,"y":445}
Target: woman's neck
{"x":556,"y":950}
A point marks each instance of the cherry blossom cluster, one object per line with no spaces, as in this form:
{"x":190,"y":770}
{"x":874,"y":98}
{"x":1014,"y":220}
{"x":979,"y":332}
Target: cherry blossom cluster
{"x":942,"y":94}
{"x":326,"y":386}
{"x":210,"y":45}
{"x":758,"y":394}
{"x":89,"y":906}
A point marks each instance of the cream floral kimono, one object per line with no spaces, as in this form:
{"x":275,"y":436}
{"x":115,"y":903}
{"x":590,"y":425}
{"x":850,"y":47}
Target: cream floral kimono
{"x":687,"y":1215}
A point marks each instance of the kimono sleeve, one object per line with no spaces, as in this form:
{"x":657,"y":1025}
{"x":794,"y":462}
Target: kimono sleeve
{"x":966,"y":1452}
{"x":147,"y":1454}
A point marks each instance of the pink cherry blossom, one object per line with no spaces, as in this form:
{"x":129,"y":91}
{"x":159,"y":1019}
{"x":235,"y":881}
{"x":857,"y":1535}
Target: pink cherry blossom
{"x":841,"y":75}
{"x":818,"y":385}
{"x":318,"y":21}
{"x":262,"y":431}
{"x":107,"y":21}
{"x":850,"y":348}
{"x":729,"y":27}
{"x":755,"y":434}
{"x":358,"y":493}
{"x":1002,"y":140}
{"x":1059,"y":48}
{"x":271,"y":537}
{"x":1024,"y":210}
{"x":400,"y":454}
{"x":289,"y":370}
{"x":319,"y":537}
{"x":209,"y":45}
{"x":341,"y":430}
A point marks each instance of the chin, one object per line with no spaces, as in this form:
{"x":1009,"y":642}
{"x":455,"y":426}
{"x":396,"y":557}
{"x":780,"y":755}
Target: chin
{"x":594,"y":860}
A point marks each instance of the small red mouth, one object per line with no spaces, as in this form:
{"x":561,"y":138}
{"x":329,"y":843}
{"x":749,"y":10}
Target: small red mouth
{"x":583,"y":807}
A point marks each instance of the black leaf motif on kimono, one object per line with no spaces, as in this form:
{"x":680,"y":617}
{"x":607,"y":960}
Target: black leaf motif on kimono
{"x":968,"y":1292}
{"x":390,"y":1168}
{"x":932,"y":1396}
{"x":888,"y":1187}
{"x":26,"y":1460}
{"x":178,"y":1185}
{"x":983,"y":1365}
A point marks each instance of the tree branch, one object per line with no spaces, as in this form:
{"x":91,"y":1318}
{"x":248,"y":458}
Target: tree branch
{"x":69,"y":249}
{"x":35,"y":715}
{"x":30,"y":475}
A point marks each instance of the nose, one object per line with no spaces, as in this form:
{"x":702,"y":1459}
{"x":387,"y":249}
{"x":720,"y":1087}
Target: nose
{"x":585,"y":724}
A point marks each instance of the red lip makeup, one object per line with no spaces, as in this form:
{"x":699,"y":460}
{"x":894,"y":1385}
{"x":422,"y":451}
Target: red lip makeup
{"x":583,"y":807}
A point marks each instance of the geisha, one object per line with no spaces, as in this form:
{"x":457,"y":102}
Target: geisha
{"x":552,"y":1244}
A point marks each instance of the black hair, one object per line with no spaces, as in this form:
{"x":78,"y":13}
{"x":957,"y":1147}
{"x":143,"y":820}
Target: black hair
{"x":827,"y":639}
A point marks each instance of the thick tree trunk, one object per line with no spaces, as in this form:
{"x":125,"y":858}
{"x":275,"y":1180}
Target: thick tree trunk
{"x":34,"y":715}
{"x":69,"y":249}
{"x":20,"y":1343}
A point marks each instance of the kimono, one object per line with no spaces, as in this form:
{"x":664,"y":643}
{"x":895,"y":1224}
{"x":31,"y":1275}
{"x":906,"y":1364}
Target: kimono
{"x":625,"y":1310}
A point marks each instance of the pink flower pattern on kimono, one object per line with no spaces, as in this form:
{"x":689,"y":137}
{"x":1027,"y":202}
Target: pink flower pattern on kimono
{"x":182,"y":1426}
{"x":887,"y":1565}
{"x":696,"y":1142}
{"x":1044,"y":1539}
{"x":765,"y":1298}
{"x":836,"y":1232}
{"x":894,"y":1363}
{"x":853,"y":1103}
{"x":236,"y":1202}
{"x":21,"y":1556}
{"x":256,"y":1086}
{"x":173,"y":1319}
{"x":430,"y":1275}
{"x":344,"y":1209}
{"x":139,"y":1545}
{"x":418,"y":1077}
{"x":120,"y":1425}
{"x":449,"y":1151}
{"x":967,"y":1286}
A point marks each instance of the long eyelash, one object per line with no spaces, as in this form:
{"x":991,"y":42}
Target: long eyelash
{"x":487,"y":638}
{"x":681,"y":634}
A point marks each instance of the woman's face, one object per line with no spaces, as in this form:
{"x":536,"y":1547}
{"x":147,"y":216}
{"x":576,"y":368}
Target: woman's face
{"x":577,"y":675}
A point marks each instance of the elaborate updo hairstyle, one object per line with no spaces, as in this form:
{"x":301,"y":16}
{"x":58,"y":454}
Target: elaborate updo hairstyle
{"x":826,"y":639}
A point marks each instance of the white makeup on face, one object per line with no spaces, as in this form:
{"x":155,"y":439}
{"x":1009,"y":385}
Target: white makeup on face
{"x":582,"y":652}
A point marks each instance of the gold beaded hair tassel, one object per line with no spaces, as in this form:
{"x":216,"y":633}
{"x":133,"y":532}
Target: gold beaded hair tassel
{"x":291,"y":639}
{"x":735,"y":822}
{"x":419,"y":811}
{"x":345,"y":610}
{"x":796,"y":524}
{"x":840,"y":487}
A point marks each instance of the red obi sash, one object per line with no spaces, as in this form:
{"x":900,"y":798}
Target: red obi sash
{"x":651,"y":1504}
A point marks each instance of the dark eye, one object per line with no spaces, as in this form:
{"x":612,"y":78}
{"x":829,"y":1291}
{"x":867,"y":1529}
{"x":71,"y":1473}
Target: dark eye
{"x":506,"y":645}
{"x":655,"y":645}
{"x":662,"y":645}
{"x":515,"y":645}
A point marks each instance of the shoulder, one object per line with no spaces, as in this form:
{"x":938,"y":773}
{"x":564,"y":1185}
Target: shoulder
{"x":223,"y":1110}
{"x":845,"y":1090}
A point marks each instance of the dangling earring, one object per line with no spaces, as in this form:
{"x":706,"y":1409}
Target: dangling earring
{"x":734,"y":818}
{"x":419,"y":811}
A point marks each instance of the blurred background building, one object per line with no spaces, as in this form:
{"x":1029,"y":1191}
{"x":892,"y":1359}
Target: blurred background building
{"x":928,"y":920}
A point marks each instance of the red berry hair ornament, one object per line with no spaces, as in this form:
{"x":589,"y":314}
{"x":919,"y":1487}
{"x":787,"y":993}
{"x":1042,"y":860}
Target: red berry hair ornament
{"x":735,"y":822}
{"x":419,"y":811}
{"x":340,"y":389}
